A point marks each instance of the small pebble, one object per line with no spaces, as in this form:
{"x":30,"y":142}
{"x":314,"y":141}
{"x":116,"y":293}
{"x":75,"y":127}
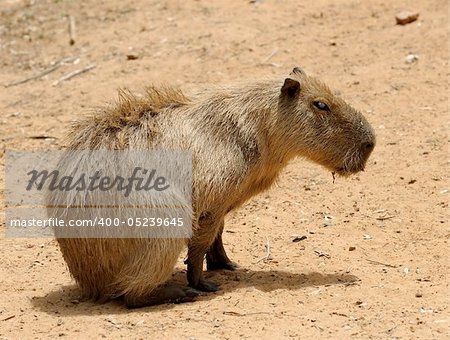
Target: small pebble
{"x":418,"y":294}
{"x":424,"y":310}
{"x":328,"y":221}
{"x":299,"y":238}
{"x":406,"y":17}
{"x":351,"y":248}
{"x":411,"y":58}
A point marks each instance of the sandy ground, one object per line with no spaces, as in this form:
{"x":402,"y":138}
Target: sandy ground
{"x":394,"y":284}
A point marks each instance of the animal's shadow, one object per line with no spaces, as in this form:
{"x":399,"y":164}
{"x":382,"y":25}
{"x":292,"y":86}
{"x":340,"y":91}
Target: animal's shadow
{"x":66,"y":300}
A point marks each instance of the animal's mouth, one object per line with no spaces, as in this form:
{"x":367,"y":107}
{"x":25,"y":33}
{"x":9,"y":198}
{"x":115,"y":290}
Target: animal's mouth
{"x":347,"y":171}
{"x":354,"y":160}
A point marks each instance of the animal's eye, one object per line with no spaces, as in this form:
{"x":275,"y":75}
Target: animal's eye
{"x":321,"y":105}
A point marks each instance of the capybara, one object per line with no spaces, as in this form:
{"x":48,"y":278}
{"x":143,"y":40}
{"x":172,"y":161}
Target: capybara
{"x":240,"y":137}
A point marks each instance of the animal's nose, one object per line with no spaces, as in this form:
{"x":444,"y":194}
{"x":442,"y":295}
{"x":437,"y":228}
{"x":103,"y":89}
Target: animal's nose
{"x":367,"y":148}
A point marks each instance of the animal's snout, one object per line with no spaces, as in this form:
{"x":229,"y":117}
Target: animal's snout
{"x":367,"y":148}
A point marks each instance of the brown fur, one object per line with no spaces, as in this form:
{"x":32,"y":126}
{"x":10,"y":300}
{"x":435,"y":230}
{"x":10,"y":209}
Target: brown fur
{"x":240,"y":137}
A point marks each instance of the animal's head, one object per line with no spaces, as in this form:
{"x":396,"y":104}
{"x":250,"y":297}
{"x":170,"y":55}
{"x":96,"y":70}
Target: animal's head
{"x":323,"y":127}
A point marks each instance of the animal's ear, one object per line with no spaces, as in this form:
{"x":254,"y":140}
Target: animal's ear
{"x":298,"y":70}
{"x":291,"y":88}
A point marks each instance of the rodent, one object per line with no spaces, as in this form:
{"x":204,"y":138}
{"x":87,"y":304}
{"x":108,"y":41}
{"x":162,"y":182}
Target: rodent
{"x":240,"y":138}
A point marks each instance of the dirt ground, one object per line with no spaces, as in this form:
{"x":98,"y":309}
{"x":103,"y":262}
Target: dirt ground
{"x":394,"y":283}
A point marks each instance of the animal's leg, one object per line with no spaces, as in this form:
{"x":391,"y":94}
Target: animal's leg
{"x":203,"y":237}
{"x":216,"y":257}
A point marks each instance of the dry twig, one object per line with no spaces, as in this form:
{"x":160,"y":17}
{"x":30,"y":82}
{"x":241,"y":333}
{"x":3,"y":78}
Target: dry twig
{"x":74,"y":74}
{"x":267,"y":257}
{"x":270,"y":56}
{"x":36,"y":76}
{"x":381,"y":263}
{"x":382,"y":218}
{"x":71,"y":30}
{"x":322,"y":254}
{"x":9,"y":318}
{"x":244,"y":314}
{"x":44,"y":72}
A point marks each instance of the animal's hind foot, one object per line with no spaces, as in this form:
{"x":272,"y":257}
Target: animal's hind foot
{"x":216,"y":257}
{"x":206,"y":286}
{"x":169,"y":293}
